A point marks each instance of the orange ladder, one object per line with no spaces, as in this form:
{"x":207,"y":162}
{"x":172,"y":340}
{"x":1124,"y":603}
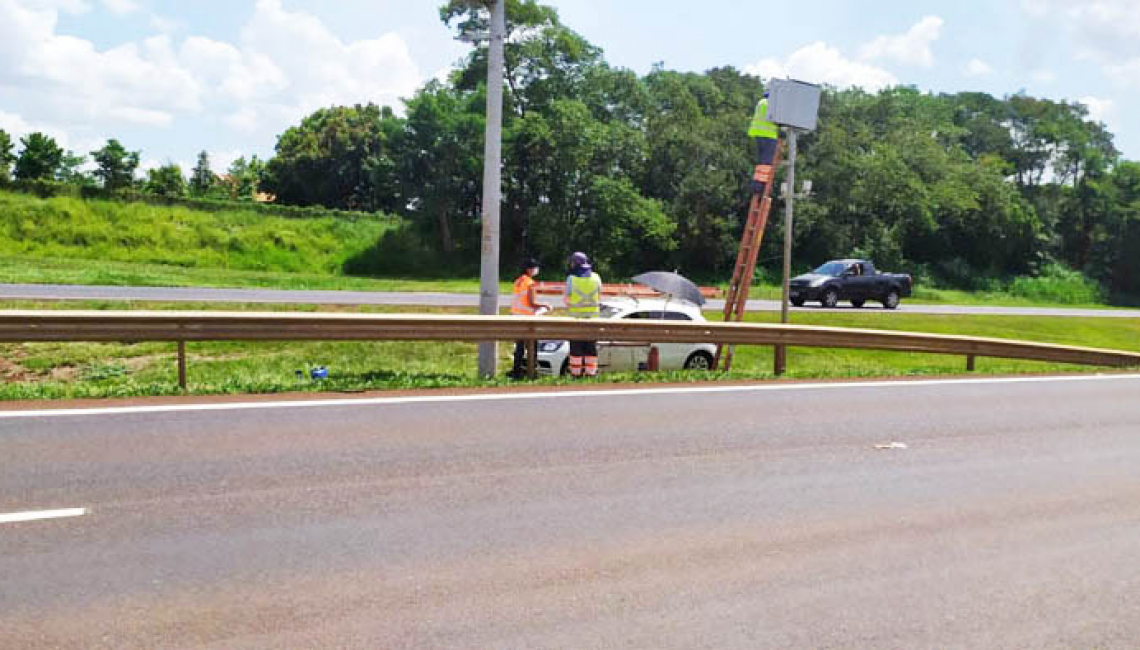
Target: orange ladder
{"x":736,"y":298}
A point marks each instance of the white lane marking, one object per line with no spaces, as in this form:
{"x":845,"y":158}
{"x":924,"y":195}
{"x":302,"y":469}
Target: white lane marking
{"x":577,"y":394}
{"x":36,"y":515}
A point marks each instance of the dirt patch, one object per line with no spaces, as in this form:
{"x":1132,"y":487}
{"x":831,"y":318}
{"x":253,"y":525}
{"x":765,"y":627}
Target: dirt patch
{"x":12,"y":372}
{"x":10,"y":369}
{"x":63,"y":373}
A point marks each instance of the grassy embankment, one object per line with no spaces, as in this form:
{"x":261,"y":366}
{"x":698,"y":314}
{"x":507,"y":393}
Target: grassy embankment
{"x":70,"y":241}
{"x":36,"y":371}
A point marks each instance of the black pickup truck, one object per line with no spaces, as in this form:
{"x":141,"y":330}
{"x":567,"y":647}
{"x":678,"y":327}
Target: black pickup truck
{"x":854,"y":280}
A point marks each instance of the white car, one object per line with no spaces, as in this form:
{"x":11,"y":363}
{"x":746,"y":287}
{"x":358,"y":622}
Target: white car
{"x":615,"y":356}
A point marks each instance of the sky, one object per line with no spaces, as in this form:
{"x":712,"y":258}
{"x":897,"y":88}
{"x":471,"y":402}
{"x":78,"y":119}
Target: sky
{"x":171,"y":78}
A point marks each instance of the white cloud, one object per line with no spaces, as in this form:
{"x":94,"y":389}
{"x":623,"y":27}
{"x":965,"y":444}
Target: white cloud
{"x":821,"y":63}
{"x":1107,"y":32}
{"x":285,"y":64}
{"x":244,"y":119}
{"x":148,"y":164}
{"x":121,"y":7}
{"x":1043,"y":76}
{"x":324,"y":70}
{"x":66,"y":6}
{"x":17,"y":127}
{"x":220,"y":161}
{"x":977,"y":68}
{"x":163,"y":25}
{"x":69,"y":80}
{"x":1100,"y":109}
{"x":911,"y":48}
{"x":1126,"y":73}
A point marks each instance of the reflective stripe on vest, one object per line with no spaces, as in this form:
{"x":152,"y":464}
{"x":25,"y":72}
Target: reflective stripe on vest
{"x":521,"y":303}
{"x":761,"y":127}
{"x":585,"y":296}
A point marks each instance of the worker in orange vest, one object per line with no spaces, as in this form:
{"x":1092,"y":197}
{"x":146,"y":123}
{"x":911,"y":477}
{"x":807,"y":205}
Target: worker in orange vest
{"x":525,"y":303}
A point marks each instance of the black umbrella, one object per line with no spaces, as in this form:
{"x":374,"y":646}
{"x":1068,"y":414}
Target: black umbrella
{"x":673,"y":284}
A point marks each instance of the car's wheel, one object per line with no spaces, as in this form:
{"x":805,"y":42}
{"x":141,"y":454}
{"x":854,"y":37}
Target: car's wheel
{"x":798,"y":302}
{"x":857,"y":304}
{"x":891,"y":300}
{"x":699,"y":360}
{"x":565,"y":370}
{"x":830,"y":298}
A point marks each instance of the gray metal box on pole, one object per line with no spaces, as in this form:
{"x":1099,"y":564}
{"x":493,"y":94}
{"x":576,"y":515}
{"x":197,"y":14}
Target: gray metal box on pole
{"x":794,"y":104}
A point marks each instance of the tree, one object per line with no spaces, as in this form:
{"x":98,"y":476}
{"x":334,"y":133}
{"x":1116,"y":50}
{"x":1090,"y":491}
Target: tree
{"x":116,"y":165}
{"x":335,"y":158}
{"x":243,"y":178}
{"x":69,"y":170}
{"x":650,"y":171}
{"x":40,"y":158}
{"x":6,"y":156}
{"x":202,"y":180}
{"x":166,"y":181}
{"x":441,"y":167}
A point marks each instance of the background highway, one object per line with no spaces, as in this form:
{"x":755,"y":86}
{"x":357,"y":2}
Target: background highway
{"x":429,"y":299}
{"x":712,"y":517}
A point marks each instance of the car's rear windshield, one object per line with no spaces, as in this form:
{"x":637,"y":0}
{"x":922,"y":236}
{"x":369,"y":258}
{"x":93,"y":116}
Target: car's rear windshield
{"x":831,"y":268}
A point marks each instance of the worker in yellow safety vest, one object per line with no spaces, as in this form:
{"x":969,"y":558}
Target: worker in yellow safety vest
{"x":583,"y":296}
{"x":525,"y":303}
{"x":767,"y":135}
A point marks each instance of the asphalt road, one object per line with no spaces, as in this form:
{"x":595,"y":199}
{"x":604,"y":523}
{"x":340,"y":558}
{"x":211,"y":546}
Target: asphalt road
{"x":714,"y":517}
{"x":428,"y":299}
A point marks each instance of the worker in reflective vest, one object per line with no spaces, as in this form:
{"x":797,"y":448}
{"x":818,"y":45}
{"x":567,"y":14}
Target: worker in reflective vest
{"x":583,"y":296}
{"x":767,"y":135}
{"x":525,"y":303}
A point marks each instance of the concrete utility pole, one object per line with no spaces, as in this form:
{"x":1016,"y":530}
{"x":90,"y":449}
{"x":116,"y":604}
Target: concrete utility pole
{"x":781,"y":360}
{"x":492,"y":185}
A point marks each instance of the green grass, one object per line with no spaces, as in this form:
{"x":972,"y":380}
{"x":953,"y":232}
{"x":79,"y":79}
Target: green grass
{"x":65,"y":228}
{"x":22,"y":270}
{"x":1029,"y":293}
{"x":77,"y":370}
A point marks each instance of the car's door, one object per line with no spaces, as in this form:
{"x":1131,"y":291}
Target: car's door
{"x":846,"y":284}
{"x":673,"y":355}
{"x":619,"y":356}
{"x":860,"y":286}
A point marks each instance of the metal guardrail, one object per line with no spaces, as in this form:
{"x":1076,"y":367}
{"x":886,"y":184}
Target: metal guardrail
{"x":181,"y":327}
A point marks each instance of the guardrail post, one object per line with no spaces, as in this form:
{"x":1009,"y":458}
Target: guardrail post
{"x":970,"y":362}
{"x":780,"y":358}
{"x":532,"y":358}
{"x":182,"y":365}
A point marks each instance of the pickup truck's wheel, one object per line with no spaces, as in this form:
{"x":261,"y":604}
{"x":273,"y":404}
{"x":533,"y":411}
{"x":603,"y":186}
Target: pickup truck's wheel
{"x":830,"y":298}
{"x":798,"y":302}
{"x":891,"y":300}
{"x":699,"y":360}
{"x":857,"y":303}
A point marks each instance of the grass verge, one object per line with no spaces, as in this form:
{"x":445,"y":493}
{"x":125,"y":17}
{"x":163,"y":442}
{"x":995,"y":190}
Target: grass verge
{"x":21,"y":270}
{"x":97,"y":370}
{"x":24,"y":270}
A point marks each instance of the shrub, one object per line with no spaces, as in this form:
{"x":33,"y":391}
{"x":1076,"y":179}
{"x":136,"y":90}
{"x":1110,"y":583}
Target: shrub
{"x":1056,"y":283}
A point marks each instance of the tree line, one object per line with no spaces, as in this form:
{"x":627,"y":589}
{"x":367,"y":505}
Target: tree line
{"x":42,"y":161}
{"x":650,"y":171}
